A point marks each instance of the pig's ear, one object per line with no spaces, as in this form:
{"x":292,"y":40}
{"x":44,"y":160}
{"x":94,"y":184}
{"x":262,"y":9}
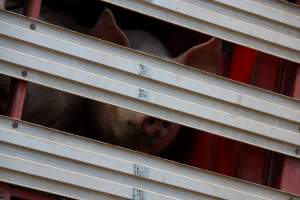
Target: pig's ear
{"x":107,"y":29}
{"x":206,"y":56}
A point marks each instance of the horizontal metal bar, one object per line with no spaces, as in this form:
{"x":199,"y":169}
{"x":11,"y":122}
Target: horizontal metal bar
{"x":51,"y":156}
{"x":106,"y":72}
{"x":48,"y":185}
{"x":270,"y":26}
{"x":279,"y":11}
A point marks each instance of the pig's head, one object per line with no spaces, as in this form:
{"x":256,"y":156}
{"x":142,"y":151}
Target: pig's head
{"x":131,"y":129}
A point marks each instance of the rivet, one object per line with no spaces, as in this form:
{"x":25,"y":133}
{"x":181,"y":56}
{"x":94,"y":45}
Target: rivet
{"x":15,"y":124}
{"x":32,"y":26}
{"x":24,"y":73}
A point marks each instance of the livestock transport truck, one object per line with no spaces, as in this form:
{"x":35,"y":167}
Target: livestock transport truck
{"x":240,"y":125}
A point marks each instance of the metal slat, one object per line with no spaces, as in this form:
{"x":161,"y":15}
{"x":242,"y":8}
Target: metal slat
{"x":105,"y":72}
{"x":37,"y":183}
{"x":37,"y":157}
{"x":269,"y":26}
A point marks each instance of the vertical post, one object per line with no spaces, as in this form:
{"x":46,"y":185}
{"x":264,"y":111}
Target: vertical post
{"x":242,"y":62}
{"x":289,"y":178}
{"x":227,"y":153}
{"x":32,"y":8}
{"x":18,"y":87}
{"x":266,"y":75}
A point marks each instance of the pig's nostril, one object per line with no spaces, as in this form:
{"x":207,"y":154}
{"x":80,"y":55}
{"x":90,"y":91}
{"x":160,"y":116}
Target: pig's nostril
{"x":151,"y":126}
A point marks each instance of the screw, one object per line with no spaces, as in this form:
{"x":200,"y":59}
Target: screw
{"x":32,"y":26}
{"x":15,"y":124}
{"x":24,"y":73}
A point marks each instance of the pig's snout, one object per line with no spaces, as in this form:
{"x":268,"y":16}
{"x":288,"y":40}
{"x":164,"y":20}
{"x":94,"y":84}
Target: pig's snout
{"x":157,"y":128}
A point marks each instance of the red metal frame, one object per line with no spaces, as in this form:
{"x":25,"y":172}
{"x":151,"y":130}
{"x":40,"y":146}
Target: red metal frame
{"x":289,"y":179}
{"x":17,"y":94}
{"x":33,"y":8}
{"x":18,"y":87}
{"x":242,"y":64}
{"x":227,"y":153}
{"x":200,"y":149}
{"x":265,"y":76}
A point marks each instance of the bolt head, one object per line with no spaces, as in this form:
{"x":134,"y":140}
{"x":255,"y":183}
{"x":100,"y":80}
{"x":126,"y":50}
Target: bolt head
{"x":15,"y":124}
{"x":32,"y":26}
{"x":24,"y":73}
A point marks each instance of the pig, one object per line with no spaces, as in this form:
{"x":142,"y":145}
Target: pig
{"x":106,"y":122}
{"x":135,"y":130}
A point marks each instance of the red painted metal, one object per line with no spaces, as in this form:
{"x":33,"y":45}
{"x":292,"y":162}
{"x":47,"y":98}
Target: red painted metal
{"x":18,"y":87}
{"x":10,"y":192}
{"x":242,"y":62}
{"x":32,"y":8}
{"x":296,"y":88}
{"x":266,"y":71}
{"x":289,"y":179}
{"x":226,"y":156}
{"x":265,"y":76}
{"x":18,"y":92}
{"x":192,"y":147}
{"x":201,"y":151}
{"x":227,"y":153}
{"x":254,"y":165}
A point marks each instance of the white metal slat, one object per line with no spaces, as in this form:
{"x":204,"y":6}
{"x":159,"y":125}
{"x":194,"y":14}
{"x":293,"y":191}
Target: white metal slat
{"x":64,"y":190}
{"x":276,"y":10}
{"x":98,"y":70}
{"x":50,"y":156}
{"x":269,"y":26}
